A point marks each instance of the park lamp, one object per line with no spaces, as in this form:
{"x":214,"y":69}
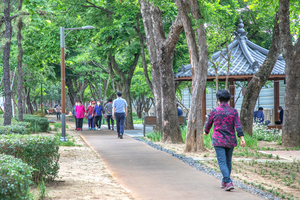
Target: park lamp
{"x":63,"y":77}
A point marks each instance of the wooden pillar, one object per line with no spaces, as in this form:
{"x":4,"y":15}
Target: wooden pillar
{"x":276,"y":98}
{"x":204,"y":106}
{"x":232,"y":91}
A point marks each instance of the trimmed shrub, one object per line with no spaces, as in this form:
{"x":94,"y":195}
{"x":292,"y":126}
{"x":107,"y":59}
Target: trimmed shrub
{"x":40,"y":152}
{"x":37,"y":124}
{"x":14,"y":129}
{"x":14,"y":178}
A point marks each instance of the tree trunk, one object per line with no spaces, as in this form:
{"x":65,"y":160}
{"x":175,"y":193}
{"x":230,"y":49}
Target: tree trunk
{"x":199,"y":64}
{"x":259,"y":80}
{"x":127,"y":97}
{"x":165,"y":47}
{"x":291,"y":54}
{"x":20,"y":71}
{"x":28,"y":101}
{"x":148,"y":25}
{"x":6,"y":55}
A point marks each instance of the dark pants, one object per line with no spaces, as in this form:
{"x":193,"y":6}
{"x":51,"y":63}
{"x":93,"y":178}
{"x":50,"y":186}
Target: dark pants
{"x":120,"y":118}
{"x":278,"y":122}
{"x":76,"y":122}
{"x":98,"y":118}
{"x":58,"y":115}
{"x":224,"y":156}
{"x":110,"y":119}
{"x":79,"y":122}
{"x":92,"y":122}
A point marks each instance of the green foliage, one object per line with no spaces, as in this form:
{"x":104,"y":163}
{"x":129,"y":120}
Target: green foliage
{"x":154,"y":136}
{"x":42,"y":190}
{"x":14,"y":178}
{"x":262,"y":133}
{"x":14,"y":129}
{"x":58,"y":125}
{"x":37,"y":124}
{"x":137,"y":121}
{"x":40,"y":152}
{"x":69,"y":143}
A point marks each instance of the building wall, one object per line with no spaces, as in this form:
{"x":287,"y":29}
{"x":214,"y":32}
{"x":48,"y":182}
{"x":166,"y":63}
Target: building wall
{"x":265,"y":100}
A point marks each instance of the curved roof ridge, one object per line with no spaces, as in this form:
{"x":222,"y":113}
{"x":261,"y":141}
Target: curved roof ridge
{"x":261,"y":49}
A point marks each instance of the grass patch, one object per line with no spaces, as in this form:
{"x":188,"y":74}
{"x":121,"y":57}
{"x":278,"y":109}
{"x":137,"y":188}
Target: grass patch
{"x":58,"y":125}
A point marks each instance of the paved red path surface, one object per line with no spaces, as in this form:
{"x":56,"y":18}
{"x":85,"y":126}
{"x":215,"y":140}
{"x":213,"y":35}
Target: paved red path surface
{"x":155,"y":175}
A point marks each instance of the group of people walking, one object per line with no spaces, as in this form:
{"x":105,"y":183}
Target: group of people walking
{"x":116,"y":109}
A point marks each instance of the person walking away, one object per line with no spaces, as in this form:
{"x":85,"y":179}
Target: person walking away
{"x":97,"y":113}
{"x":108,"y":114}
{"x":74,"y":114}
{"x":280,"y":110}
{"x":80,"y":110}
{"x":90,"y":115}
{"x":179,"y":110}
{"x":226,"y":121}
{"x":58,"y":111}
{"x":120,"y":112}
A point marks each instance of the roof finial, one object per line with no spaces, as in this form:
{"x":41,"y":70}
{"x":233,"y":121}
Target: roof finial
{"x":241,"y":31}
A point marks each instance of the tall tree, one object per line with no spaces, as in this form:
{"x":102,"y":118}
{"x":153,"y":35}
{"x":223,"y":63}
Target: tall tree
{"x":156,"y":86}
{"x":20,"y":60}
{"x":199,"y":63}
{"x":6,"y":55}
{"x":291,"y":54}
{"x":164,"y":47}
{"x":259,"y":80}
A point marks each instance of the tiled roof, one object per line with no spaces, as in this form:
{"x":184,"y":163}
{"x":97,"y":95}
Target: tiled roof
{"x":246,"y":58}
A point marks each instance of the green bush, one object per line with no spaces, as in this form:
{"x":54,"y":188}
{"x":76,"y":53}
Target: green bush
{"x":37,"y":124}
{"x":58,"y":125}
{"x":14,"y":129}
{"x":40,"y":152}
{"x":14,"y":178}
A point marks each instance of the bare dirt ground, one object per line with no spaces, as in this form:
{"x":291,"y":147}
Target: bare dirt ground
{"x":273,"y":175}
{"x":82,"y":175}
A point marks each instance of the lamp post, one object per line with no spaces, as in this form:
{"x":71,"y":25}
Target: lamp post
{"x":63,"y":87}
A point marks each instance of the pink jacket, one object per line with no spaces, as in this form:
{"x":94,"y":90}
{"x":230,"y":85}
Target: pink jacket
{"x":80,"y":110}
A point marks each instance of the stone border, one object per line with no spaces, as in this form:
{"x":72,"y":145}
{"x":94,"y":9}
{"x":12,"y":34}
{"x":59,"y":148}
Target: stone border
{"x":193,"y":163}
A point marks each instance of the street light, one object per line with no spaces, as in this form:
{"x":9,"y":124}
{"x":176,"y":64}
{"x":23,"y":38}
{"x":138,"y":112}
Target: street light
{"x":63,"y":87}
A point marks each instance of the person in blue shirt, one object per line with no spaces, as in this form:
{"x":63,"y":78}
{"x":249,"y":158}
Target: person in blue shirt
{"x":119,"y":113}
{"x":280,"y":110}
{"x":179,"y":110}
{"x":259,"y":115}
{"x":98,"y":111}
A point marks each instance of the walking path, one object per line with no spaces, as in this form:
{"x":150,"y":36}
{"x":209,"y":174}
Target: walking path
{"x":152,"y":174}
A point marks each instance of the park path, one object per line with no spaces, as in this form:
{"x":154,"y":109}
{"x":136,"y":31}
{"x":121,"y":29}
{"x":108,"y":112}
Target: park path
{"x":150,"y":174}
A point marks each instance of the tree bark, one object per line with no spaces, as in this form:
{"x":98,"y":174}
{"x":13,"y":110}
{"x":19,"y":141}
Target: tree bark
{"x":126,"y":84}
{"x":20,"y":71}
{"x":6,"y":55}
{"x":259,"y":80}
{"x":291,"y":54}
{"x":199,"y":64}
{"x":148,"y":26}
{"x":28,"y":101}
{"x":165,"y":47}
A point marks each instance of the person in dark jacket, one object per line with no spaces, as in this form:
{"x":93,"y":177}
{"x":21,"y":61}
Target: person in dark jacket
{"x":226,"y":122}
{"x":98,"y":111}
{"x":259,"y":115}
{"x":280,"y":110}
{"x":58,"y":111}
{"x":179,"y":110}
{"x":108,"y":111}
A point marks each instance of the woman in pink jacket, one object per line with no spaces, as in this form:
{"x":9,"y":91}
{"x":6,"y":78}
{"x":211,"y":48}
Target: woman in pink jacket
{"x":80,"y":110}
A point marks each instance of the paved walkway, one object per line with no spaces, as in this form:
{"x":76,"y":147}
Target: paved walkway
{"x":152,"y":174}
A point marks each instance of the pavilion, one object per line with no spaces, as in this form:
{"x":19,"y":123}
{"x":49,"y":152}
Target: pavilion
{"x":246,"y":58}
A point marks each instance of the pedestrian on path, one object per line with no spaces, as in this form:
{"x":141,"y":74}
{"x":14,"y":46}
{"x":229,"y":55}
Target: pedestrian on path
{"x":97,"y":113}
{"x":74,"y":114}
{"x":108,"y":114}
{"x":80,"y":110}
{"x":58,"y":111}
{"x":90,"y":116}
{"x":120,"y":112}
{"x":226,"y":121}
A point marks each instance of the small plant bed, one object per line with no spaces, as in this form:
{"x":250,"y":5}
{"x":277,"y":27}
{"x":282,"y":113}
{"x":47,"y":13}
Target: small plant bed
{"x":278,"y":178}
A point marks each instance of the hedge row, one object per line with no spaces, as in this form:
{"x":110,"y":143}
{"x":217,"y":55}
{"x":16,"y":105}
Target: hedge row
{"x":40,"y":152}
{"x":15,"y":127}
{"x":14,"y":178}
{"x":37,"y":124}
